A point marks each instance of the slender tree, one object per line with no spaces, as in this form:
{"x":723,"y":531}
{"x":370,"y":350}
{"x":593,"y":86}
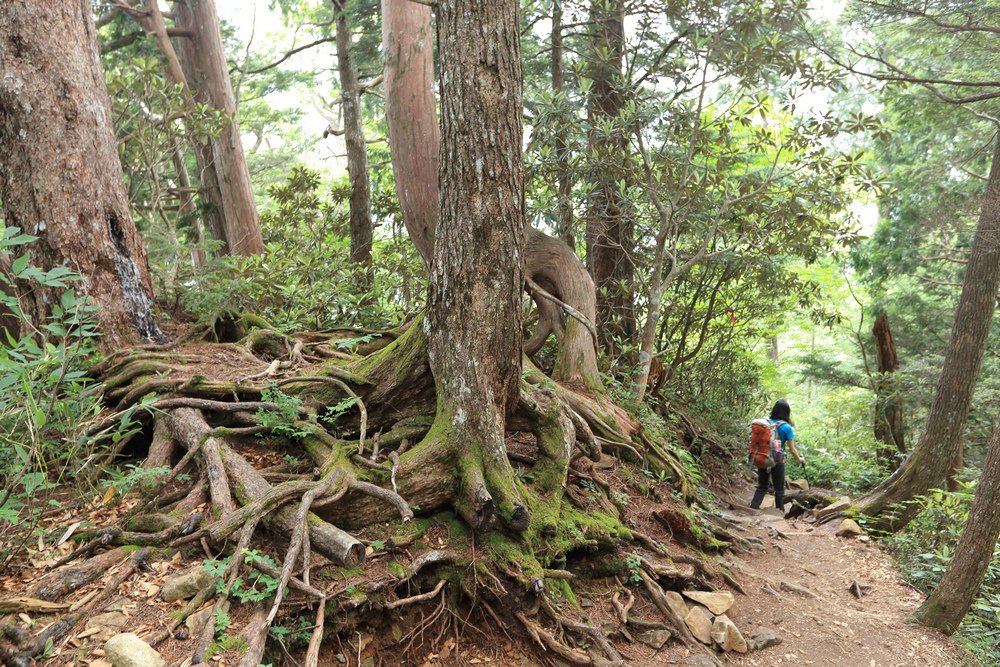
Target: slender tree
{"x":928,"y":463}
{"x":224,"y":174}
{"x":889,"y":400}
{"x":566,"y":225}
{"x":354,"y":138}
{"x":60,"y":176}
{"x":610,"y":228}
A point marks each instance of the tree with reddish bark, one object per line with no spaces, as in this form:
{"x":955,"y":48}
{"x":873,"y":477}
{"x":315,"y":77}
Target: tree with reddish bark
{"x":60,"y":176}
{"x":226,"y":192}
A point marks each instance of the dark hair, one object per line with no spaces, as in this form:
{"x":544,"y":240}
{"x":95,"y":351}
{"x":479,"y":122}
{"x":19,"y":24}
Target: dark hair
{"x":781,"y":411}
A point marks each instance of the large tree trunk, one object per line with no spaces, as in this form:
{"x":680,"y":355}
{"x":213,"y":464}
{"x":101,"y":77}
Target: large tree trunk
{"x":357,"y":155}
{"x":888,"y":400}
{"x":948,"y":603}
{"x":610,"y":242}
{"x":60,"y":177}
{"x":414,"y":143}
{"x":414,"y":136}
{"x":477,"y":274}
{"x":928,"y":464}
{"x":224,"y":168}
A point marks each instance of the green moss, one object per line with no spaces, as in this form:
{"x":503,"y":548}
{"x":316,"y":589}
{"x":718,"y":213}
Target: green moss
{"x":509,"y":554}
{"x":561,"y":587}
{"x":396,"y":569}
{"x":236,"y":643}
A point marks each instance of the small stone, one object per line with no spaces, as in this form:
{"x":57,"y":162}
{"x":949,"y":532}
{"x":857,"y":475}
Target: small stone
{"x":777,"y":616}
{"x":718,"y":602}
{"x":112,"y":620}
{"x":117,"y":605}
{"x":699,"y":624}
{"x":187,"y":584}
{"x":127,"y":650}
{"x":341,"y":658}
{"x":800,"y":484}
{"x":586,"y":603}
{"x":762,"y":638}
{"x":676,"y":603}
{"x":840,"y":505}
{"x":699,"y":660}
{"x":849,"y":528}
{"x":653,"y":638}
{"x":727,"y":635}
{"x":196,"y":622}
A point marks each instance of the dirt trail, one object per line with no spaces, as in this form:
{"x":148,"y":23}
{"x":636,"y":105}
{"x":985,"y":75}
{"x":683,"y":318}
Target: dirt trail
{"x":820,"y":621}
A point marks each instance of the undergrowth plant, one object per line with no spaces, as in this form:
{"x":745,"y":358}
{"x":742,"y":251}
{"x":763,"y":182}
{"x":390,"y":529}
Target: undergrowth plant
{"x":305,"y":279}
{"x":45,"y":400}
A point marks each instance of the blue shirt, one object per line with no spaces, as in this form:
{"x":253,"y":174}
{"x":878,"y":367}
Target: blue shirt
{"x":785,"y":432}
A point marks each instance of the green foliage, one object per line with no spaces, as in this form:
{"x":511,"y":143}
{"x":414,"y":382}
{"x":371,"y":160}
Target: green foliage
{"x":46,"y":403}
{"x":305,"y":278}
{"x":633,"y":563}
{"x":924,"y":549}
{"x":283,"y":420}
{"x":256,"y":587}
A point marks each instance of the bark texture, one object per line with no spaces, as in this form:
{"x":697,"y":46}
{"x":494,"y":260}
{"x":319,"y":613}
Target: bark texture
{"x":474,"y":304}
{"x":410,"y":116}
{"x":207,"y":72}
{"x":610,"y":231}
{"x":889,"y":427}
{"x":950,"y":600}
{"x":354,"y":138}
{"x":60,"y":177}
{"x":414,"y":139}
{"x":928,"y":464}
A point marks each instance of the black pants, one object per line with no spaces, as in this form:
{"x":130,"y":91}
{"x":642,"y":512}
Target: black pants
{"x":764,"y":476}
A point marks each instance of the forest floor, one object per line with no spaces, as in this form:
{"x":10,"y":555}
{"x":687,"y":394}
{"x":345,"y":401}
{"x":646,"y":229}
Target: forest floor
{"x":798,"y":584}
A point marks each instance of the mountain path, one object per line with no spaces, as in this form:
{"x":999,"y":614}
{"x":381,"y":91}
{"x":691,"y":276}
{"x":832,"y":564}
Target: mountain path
{"x":819,"y":619}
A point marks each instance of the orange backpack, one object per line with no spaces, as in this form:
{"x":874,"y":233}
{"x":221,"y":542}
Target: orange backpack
{"x":765,"y":444}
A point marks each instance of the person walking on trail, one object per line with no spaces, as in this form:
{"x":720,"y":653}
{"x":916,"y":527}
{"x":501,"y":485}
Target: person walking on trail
{"x":781,"y":417}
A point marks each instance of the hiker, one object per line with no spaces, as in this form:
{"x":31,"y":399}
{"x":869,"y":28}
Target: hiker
{"x":781,"y":414}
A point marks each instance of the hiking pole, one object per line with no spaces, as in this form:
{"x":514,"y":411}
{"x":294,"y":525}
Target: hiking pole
{"x":805,"y":474}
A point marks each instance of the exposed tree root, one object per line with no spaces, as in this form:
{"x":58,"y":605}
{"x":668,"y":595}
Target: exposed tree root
{"x":367,"y":445}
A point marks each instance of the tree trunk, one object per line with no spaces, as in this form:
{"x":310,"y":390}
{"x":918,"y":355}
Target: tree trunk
{"x":888,"y":399}
{"x":928,"y":464}
{"x":477,"y":275}
{"x":60,"y":177}
{"x":414,"y":136}
{"x":566,"y":226}
{"x":357,"y":155}
{"x":610,"y":230}
{"x":206,"y":71}
{"x":414,"y":140}
{"x":948,"y":603}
